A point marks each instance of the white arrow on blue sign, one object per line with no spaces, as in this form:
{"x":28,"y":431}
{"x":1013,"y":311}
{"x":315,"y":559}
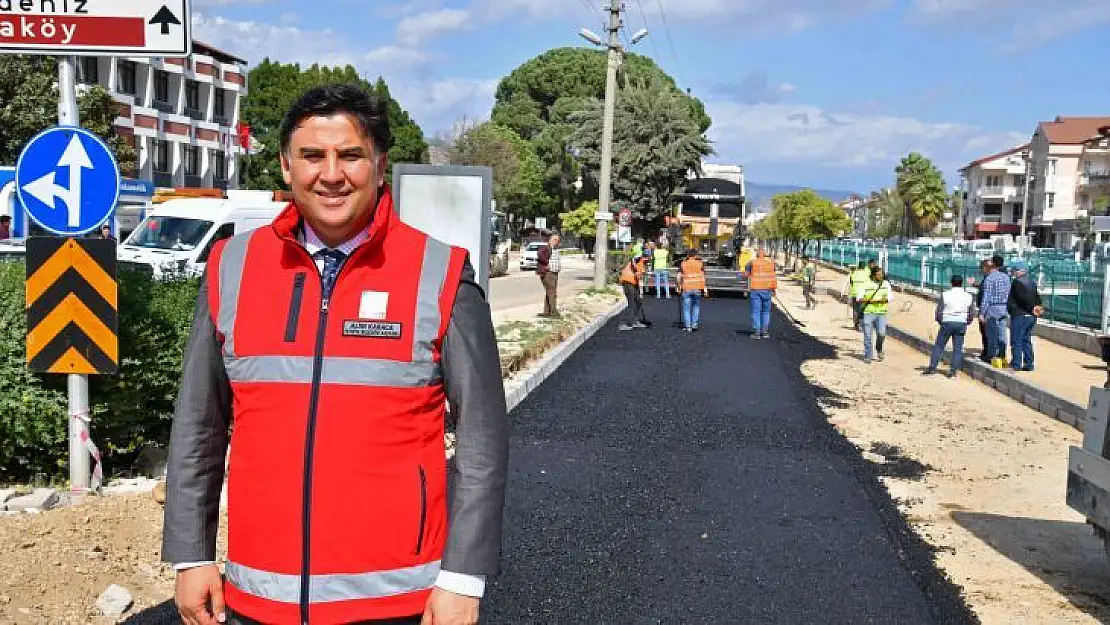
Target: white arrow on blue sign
{"x":68,"y":180}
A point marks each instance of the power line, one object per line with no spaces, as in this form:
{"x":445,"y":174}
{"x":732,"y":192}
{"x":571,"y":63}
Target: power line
{"x":654,"y":49}
{"x":667,"y":30}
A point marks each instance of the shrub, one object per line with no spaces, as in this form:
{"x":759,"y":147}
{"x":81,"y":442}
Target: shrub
{"x":128,"y":409}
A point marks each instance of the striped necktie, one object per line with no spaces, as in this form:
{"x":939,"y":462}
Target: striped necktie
{"x":333,"y":262}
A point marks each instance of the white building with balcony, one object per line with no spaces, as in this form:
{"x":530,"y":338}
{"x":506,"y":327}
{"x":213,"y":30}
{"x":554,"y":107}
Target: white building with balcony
{"x":1057,"y":153}
{"x":995,"y":191}
{"x":181,"y":114}
{"x":1093,"y":191}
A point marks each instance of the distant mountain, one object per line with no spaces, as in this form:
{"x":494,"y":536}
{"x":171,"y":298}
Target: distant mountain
{"x":759,"y":195}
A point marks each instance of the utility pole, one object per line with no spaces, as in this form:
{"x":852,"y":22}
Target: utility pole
{"x":1027,"y":197}
{"x":77,"y":384}
{"x":601,"y":244}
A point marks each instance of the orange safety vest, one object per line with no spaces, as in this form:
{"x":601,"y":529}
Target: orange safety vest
{"x":693,"y":275}
{"x":630,"y":272}
{"x":762,"y":276}
{"x":337,"y":481}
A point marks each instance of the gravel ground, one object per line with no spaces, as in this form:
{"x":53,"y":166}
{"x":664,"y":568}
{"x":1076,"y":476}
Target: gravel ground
{"x":661,"y":477}
{"x":979,"y":476}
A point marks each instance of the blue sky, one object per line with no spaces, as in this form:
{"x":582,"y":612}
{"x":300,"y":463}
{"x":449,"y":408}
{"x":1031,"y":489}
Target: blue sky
{"x":826,"y":93}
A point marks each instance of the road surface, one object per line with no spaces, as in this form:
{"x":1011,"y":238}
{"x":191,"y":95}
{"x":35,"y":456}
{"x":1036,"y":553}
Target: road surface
{"x":519,"y":295}
{"x":664,"y":477}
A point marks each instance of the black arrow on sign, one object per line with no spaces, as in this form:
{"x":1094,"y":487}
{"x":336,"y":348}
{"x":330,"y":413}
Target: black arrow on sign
{"x":165,"y":17}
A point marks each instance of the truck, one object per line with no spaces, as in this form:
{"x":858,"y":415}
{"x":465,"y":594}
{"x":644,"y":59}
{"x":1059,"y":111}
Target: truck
{"x":709,"y":217}
{"x":177,"y":235}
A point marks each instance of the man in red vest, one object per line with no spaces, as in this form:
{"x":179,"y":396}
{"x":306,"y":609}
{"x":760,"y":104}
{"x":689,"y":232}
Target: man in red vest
{"x":332,"y":340}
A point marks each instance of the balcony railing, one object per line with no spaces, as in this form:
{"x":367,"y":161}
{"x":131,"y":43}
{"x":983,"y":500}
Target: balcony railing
{"x":988,"y":219}
{"x":1094,"y":177}
{"x":222,"y":120}
{"x":194,"y":182}
{"x":194,"y":113}
{"x":219,"y":184}
{"x":160,"y":105}
{"x":1008,"y":193}
{"x":162,"y":179}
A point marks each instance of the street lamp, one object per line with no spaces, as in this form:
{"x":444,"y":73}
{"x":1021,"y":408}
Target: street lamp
{"x":603,"y":215}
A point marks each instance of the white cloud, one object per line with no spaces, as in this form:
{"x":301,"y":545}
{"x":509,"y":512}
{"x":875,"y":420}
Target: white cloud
{"x":423,"y":27}
{"x":1025,"y":24}
{"x":435,"y":102}
{"x":804,"y":135}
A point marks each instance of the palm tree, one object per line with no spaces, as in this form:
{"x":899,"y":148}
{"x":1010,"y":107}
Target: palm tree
{"x":924,"y":192}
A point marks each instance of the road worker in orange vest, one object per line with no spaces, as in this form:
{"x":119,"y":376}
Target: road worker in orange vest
{"x":631,"y":275}
{"x":691,"y":283}
{"x":762,"y":285}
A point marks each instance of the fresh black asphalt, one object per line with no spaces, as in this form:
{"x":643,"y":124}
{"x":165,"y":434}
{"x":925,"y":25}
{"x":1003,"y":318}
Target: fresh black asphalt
{"x":665,"y":477}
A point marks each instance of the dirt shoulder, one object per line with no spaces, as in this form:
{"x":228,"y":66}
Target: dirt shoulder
{"x":54,"y":564}
{"x":978,"y":476}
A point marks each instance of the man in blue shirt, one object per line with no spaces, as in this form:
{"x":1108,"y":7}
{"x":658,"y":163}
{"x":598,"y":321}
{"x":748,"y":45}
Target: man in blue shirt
{"x":996,"y":294}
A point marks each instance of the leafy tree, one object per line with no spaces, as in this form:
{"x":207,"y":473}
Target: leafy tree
{"x":923,"y":189}
{"x":655,"y":144}
{"x":581,"y":220}
{"x":537,"y":99}
{"x":275,"y":85}
{"x":820,"y":219}
{"x":517,"y":183}
{"x":800,"y":216}
{"x":29,"y":105}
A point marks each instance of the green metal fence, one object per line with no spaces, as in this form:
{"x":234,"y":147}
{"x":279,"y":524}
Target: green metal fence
{"x":1072,"y":292}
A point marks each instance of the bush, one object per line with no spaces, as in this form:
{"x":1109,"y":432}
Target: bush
{"x":128,"y":409}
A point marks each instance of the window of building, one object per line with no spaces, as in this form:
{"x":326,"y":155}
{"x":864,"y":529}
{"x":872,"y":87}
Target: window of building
{"x":1050,"y":167}
{"x":1051,"y":199}
{"x":994,"y":181}
{"x":192,"y":95}
{"x":1017,"y":213}
{"x":162,"y":86}
{"x":992,"y":209}
{"x":219,"y":106}
{"x":219,"y":165}
{"x":162,"y":156}
{"x":1019,"y":182}
{"x":126,"y":75}
{"x":88,"y":72}
{"x":192,"y":160}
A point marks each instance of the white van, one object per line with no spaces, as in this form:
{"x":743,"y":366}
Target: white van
{"x":177,"y":236}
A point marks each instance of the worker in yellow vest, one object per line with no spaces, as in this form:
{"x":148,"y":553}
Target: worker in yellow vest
{"x":762,"y":285}
{"x":857,"y":279}
{"x":691,"y":283}
{"x":875,"y":299}
{"x":630,"y":279}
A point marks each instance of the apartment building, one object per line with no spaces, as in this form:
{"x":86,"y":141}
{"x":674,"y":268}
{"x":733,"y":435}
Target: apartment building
{"x":181,"y":114}
{"x":1058,"y":151}
{"x":995,"y":191}
{"x":1093,"y":190}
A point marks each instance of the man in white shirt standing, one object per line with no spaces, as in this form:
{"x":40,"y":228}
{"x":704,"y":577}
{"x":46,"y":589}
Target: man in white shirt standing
{"x":955,"y":310}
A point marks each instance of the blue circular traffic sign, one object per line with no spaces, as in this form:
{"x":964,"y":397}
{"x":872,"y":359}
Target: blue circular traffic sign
{"x":68,"y":180}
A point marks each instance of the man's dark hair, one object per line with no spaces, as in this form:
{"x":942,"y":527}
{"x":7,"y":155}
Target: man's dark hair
{"x":5,"y":219}
{"x":862,"y":264}
{"x":369,"y":110}
{"x":957,"y":281}
{"x":985,"y":263}
{"x":998,"y":261}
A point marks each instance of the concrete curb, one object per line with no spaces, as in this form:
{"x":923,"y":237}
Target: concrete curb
{"x":552,"y":360}
{"x":1033,"y":396}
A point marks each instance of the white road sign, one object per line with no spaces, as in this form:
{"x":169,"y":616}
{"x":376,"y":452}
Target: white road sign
{"x":96,"y":27}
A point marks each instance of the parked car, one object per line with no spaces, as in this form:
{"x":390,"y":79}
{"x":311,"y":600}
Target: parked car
{"x":529,"y":254}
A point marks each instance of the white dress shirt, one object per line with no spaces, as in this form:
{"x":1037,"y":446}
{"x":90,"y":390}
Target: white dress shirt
{"x":458,"y":583}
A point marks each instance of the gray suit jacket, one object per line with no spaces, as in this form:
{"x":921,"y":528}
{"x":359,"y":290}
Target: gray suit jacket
{"x":472,"y":379}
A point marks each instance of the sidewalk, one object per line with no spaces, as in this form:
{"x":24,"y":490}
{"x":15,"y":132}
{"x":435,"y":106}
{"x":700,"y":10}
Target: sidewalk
{"x":1065,"y":372}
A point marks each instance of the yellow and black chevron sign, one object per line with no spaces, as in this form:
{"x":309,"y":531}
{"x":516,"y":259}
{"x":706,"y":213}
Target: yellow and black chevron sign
{"x":72,"y":319}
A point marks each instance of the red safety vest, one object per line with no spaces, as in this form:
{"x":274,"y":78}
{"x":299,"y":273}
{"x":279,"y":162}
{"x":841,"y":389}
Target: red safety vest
{"x":337,"y":477}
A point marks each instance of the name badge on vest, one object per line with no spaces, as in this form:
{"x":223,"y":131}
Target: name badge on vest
{"x":372,"y":329}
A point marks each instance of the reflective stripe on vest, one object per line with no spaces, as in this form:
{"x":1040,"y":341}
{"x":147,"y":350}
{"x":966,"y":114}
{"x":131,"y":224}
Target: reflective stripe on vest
{"x":422,"y":371}
{"x":285,"y":588}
